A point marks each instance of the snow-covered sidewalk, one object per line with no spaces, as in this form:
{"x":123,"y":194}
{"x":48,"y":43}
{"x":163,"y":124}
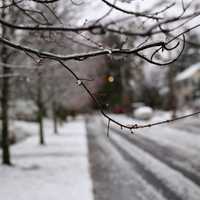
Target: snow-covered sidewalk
{"x":59,"y":170}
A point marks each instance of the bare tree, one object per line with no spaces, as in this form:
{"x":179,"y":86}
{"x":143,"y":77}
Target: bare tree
{"x":5,"y":98}
{"x":6,"y":54}
{"x":157,"y":32}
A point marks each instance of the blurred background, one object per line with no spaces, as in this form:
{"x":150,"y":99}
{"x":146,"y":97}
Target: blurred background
{"x":55,"y":142}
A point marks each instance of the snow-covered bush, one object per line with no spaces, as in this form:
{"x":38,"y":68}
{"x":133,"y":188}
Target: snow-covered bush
{"x":143,"y":113}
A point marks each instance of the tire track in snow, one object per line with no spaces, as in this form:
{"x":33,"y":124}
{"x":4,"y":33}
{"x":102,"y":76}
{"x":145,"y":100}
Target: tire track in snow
{"x":113,"y":176}
{"x":147,"y":175}
{"x":163,"y":154}
{"x":172,"y":183}
{"x":192,"y":130}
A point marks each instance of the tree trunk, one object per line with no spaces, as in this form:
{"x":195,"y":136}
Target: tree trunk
{"x":4,"y":101}
{"x":55,"y":122}
{"x":41,"y":129}
{"x":40,"y":110}
{"x":5,"y":122}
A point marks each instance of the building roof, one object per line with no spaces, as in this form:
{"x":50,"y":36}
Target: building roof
{"x":188,"y":73}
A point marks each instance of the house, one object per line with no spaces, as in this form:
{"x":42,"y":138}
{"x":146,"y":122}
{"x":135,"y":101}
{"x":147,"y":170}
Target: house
{"x":188,"y":85}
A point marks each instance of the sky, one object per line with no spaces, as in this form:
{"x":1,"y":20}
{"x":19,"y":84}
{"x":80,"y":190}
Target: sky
{"x":94,"y":10}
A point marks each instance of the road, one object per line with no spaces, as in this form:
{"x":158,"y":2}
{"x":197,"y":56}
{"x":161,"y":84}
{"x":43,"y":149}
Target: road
{"x":190,"y":125}
{"x":156,"y":163}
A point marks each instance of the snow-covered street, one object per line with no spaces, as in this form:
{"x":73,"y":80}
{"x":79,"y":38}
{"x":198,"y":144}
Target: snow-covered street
{"x":59,"y":170}
{"x":159,"y":163}
{"x":99,"y":100}
{"x":162,"y":162}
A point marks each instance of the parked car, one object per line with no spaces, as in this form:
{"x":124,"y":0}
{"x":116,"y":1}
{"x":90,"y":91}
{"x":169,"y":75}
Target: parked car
{"x":143,"y":113}
{"x":118,"y":109}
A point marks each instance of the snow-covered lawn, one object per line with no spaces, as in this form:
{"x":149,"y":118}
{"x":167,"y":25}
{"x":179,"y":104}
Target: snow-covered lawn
{"x":59,"y":170}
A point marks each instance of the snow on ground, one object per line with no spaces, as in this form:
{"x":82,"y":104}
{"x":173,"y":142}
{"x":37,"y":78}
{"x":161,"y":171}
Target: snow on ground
{"x":179,"y":141}
{"x":175,"y":180}
{"x":183,"y":142}
{"x":121,"y":178}
{"x":165,"y":134}
{"x":59,"y":170}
